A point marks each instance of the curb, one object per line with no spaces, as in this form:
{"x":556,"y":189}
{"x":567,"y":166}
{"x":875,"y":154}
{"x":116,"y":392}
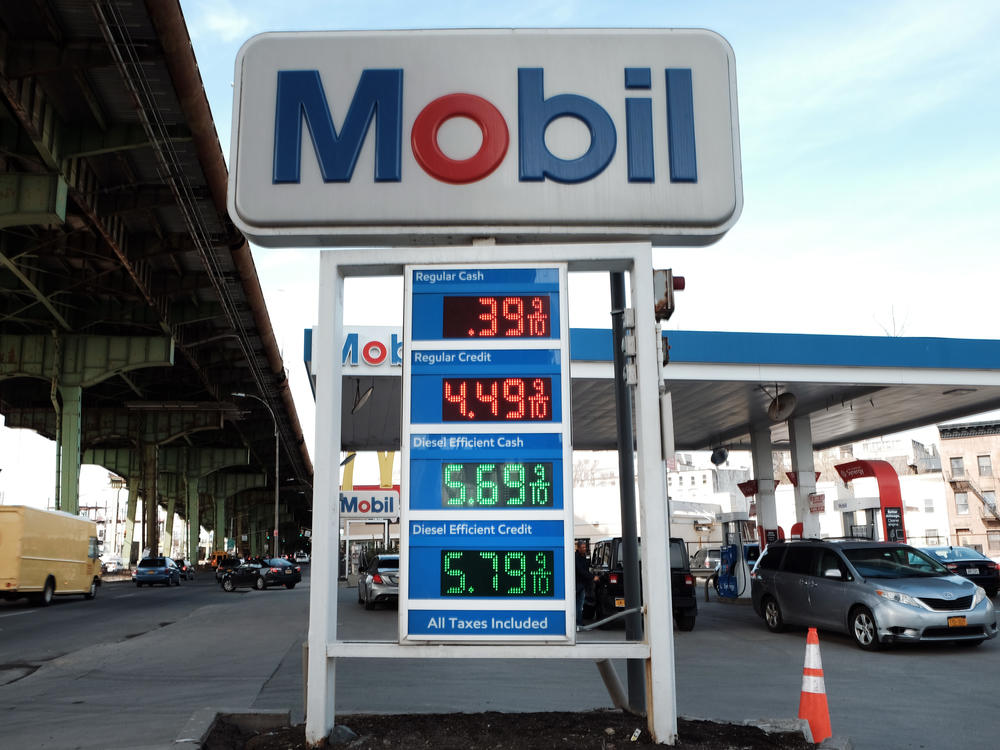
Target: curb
{"x":200,"y":725}
{"x":773,"y":726}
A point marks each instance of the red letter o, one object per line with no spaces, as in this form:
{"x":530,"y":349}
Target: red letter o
{"x":423,"y":138}
{"x":374,"y":352}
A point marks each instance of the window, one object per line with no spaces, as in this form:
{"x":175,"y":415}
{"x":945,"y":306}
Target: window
{"x":771,"y":559}
{"x":962,"y":503}
{"x":957,"y":467}
{"x":931,"y":536}
{"x":704,"y":478}
{"x":990,"y":497}
{"x":985,"y":466}
{"x":993,"y":540}
{"x":928,"y":505}
{"x":798,"y":560}
{"x":830,"y":566}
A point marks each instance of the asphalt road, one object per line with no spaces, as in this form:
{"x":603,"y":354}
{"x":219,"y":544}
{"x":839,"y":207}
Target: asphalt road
{"x":128,"y":669}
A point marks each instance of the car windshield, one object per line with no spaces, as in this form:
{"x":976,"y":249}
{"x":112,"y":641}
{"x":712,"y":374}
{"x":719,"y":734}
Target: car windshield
{"x":894,"y":562}
{"x":387,"y":563}
{"x":152,"y":562}
{"x":279,"y":563}
{"x":950,"y":554}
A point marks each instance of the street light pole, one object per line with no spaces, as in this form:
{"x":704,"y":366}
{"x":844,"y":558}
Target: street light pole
{"x":274,"y":551}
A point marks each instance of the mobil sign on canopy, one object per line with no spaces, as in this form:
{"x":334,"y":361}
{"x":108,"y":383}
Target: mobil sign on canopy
{"x":437,"y":136}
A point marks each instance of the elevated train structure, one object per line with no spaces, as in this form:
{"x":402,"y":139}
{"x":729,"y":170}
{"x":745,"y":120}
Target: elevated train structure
{"x":130,"y":307}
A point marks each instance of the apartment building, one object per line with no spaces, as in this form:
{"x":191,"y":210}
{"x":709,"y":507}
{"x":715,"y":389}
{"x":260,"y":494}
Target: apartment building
{"x":969,"y":453}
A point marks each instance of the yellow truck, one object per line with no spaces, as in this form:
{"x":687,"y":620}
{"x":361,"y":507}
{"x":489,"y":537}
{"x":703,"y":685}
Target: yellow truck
{"x":45,"y":553}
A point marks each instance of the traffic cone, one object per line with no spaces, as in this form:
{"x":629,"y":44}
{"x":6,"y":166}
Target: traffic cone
{"x":812,"y":703}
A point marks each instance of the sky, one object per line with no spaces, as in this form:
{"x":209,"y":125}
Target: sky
{"x":870,"y":160}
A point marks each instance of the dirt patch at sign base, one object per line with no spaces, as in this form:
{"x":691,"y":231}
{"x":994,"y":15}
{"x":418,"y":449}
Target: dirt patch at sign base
{"x":591,"y":730}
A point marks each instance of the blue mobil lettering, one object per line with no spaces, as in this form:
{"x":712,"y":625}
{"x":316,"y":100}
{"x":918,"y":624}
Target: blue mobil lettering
{"x":374,"y":353}
{"x":375,"y":505}
{"x":378,"y":96}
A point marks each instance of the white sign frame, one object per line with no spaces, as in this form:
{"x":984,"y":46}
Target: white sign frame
{"x":657,"y":648}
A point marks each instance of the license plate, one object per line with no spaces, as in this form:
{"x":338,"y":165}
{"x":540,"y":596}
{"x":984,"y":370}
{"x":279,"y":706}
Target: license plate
{"x":288,"y":572}
{"x":620,"y":601}
{"x":956,"y":622}
{"x":972,"y":571}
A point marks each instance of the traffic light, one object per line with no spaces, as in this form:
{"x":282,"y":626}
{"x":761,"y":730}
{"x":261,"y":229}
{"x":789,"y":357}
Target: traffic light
{"x":664,"y":286}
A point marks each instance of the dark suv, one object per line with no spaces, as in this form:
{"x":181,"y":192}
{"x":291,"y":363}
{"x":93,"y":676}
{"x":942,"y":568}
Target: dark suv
{"x":608,"y":595}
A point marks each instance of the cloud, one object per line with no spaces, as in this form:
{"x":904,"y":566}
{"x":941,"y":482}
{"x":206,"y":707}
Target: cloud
{"x":223,"y":21}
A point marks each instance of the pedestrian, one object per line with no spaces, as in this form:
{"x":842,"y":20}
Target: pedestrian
{"x":583,"y":579}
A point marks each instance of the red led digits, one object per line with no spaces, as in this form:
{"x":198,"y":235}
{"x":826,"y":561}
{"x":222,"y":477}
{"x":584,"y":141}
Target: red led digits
{"x":496,"y":399}
{"x":489,"y":317}
{"x":513,"y":393}
{"x":513,"y":310}
{"x":456,"y":396}
{"x":490,"y":399}
{"x":517,"y":316}
{"x":538,"y":318}
{"x":540,"y":401}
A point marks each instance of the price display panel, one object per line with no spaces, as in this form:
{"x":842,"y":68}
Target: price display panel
{"x":487,"y":515}
{"x":479,"y":472}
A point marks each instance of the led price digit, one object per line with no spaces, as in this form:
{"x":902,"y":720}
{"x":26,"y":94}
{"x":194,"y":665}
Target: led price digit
{"x":496,"y":399}
{"x":515,"y":316}
{"x":526,"y":484}
{"x":475,"y":573}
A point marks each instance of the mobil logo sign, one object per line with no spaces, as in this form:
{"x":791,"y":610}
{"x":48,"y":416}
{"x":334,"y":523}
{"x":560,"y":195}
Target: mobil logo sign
{"x":372,"y":348}
{"x":440,"y":136}
{"x":370,"y":502}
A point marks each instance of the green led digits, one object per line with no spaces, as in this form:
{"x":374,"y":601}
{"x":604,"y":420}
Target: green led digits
{"x":520,"y":573}
{"x":514,"y":484}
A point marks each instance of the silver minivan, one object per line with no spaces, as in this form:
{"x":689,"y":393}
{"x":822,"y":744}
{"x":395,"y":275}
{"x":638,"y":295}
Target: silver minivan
{"x":877,"y":592}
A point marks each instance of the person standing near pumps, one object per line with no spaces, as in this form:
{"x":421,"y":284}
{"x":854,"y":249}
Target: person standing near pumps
{"x":583,"y":579}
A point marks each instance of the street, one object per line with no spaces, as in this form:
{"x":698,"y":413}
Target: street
{"x":128,"y":669}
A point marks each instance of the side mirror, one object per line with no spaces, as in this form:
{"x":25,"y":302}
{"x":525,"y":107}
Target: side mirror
{"x":833,"y":573}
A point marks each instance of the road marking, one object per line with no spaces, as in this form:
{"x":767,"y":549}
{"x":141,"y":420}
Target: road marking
{"x":123,"y":596}
{"x":15,"y":614}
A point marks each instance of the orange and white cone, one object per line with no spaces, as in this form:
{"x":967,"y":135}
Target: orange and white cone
{"x":812,"y":703}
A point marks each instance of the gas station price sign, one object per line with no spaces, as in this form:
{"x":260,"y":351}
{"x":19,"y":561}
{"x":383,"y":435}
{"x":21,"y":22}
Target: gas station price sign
{"x":487,"y":548}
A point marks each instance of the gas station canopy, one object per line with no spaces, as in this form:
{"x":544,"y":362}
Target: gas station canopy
{"x":723,"y":383}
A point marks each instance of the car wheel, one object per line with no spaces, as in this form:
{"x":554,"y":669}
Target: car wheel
{"x":44,"y":599}
{"x":685,"y":622}
{"x":772,"y":615}
{"x":289,"y":586}
{"x":260,"y":584}
{"x":863,"y":629}
{"x":360,"y":598}
{"x":228,"y":585}
{"x":93,"y":590}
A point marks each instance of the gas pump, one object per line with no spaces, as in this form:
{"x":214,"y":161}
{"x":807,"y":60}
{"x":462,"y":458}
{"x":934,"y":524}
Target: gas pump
{"x":734,"y":573}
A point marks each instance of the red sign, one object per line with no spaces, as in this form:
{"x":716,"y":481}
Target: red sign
{"x":748,"y":488}
{"x":793,"y":477}
{"x":817,"y":502}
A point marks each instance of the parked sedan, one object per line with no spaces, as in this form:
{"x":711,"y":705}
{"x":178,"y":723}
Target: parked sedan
{"x":262,"y":574}
{"x":970,"y":564}
{"x":379,"y":581}
{"x":152,"y":570}
{"x":877,"y":592}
